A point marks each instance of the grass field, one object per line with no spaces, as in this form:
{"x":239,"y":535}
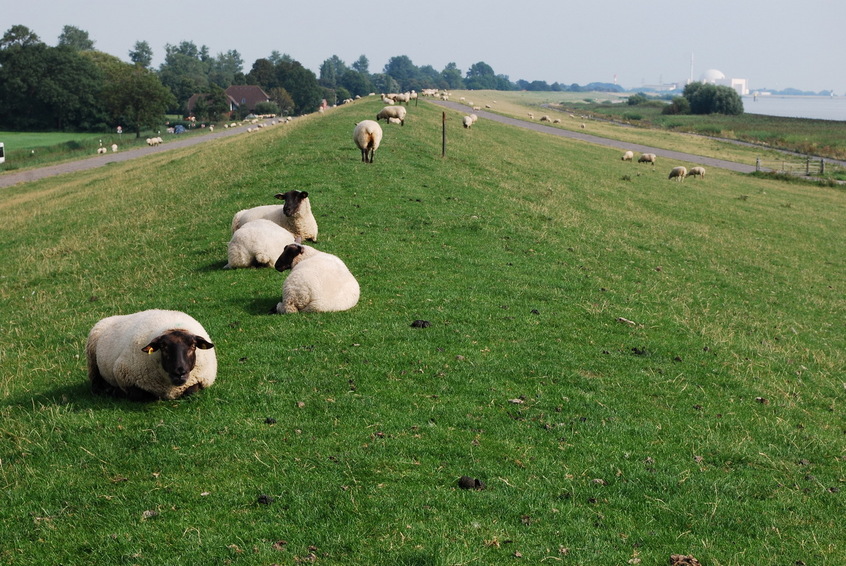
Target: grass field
{"x":635,"y":367}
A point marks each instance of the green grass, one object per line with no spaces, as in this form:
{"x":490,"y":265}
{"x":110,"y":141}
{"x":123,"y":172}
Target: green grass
{"x":711,"y":425}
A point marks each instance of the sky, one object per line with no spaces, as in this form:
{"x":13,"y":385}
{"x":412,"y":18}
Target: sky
{"x":774,"y":44}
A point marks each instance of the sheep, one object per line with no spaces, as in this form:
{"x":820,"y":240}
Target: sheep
{"x":395,"y":121}
{"x":318,"y":282}
{"x":697,"y":172}
{"x":101,"y":150}
{"x":545,"y":118}
{"x":258,"y":243}
{"x":295,"y":215}
{"x":647,"y":158}
{"x":467,"y":121}
{"x":114,"y":148}
{"x":152,"y":354}
{"x":678,"y":173}
{"x":367,"y":135}
{"x":392,"y":112}
{"x":628,"y":156}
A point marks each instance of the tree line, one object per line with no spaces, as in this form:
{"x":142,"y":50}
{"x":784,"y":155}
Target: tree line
{"x":72,"y":86}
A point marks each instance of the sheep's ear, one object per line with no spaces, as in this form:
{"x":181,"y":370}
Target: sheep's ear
{"x":303,"y":194}
{"x":280,"y":196}
{"x":202,"y":343}
{"x":298,"y":239}
{"x":153,"y":346}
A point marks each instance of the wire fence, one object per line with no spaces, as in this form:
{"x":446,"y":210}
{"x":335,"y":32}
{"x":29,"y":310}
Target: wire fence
{"x":810,"y":167}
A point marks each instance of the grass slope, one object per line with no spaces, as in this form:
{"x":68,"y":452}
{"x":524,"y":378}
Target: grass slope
{"x":709,"y":425}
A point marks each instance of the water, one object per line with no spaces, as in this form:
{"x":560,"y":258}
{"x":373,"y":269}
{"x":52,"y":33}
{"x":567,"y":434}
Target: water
{"x":817,"y":107}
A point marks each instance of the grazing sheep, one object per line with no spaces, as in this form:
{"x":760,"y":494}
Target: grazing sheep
{"x":545,"y":118}
{"x":628,"y":156}
{"x":395,"y":121}
{"x":295,"y":215}
{"x":318,"y":282}
{"x":678,"y":173}
{"x":697,"y":172}
{"x":367,"y":135}
{"x":467,"y":121}
{"x":392,"y":112}
{"x":556,"y":121}
{"x":258,"y":243}
{"x":153,"y":354}
{"x":647,"y":158}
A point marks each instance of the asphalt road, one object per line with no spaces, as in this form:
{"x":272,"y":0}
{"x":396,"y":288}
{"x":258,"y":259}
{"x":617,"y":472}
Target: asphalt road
{"x":10,"y":178}
{"x":623,"y":146}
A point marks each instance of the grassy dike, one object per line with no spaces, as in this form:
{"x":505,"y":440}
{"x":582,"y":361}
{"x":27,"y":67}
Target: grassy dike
{"x":635,"y":367}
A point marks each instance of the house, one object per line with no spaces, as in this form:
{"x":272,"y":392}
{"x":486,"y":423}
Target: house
{"x":238,"y":96}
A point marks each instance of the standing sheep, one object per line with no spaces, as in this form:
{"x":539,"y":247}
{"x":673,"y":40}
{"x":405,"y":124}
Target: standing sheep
{"x":392,"y":112}
{"x":467,"y":121}
{"x":367,"y":135}
{"x":257,"y":243}
{"x":628,"y":156}
{"x":318,"y":282}
{"x":647,"y":158}
{"x":153,"y":354}
{"x":678,"y":173}
{"x":697,"y":172}
{"x":295,"y":215}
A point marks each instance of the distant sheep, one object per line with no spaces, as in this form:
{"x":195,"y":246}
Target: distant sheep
{"x":114,"y":148}
{"x":101,"y":150}
{"x":367,"y":136}
{"x":467,"y":121}
{"x":545,"y":118}
{"x":295,"y":215}
{"x":153,"y":354}
{"x":258,"y":243}
{"x":628,"y":156}
{"x":647,"y":158}
{"x":392,"y":112}
{"x":678,"y":173}
{"x":318,"y":282}
{"x":697,"y":172}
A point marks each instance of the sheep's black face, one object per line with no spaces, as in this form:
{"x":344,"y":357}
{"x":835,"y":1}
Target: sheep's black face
{"x":179,"y":353}
{"x":292,"y":201}
{"x":289,"y":254}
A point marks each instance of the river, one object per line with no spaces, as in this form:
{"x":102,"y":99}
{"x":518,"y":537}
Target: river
{"x":817,"y":107}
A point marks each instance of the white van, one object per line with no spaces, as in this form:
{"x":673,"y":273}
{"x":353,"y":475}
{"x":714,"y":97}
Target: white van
{"x":2,"y":153}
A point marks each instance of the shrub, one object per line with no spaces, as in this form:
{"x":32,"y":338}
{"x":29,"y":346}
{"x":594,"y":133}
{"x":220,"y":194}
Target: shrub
{"x":706,"y":98}
{"x":679,"y":105}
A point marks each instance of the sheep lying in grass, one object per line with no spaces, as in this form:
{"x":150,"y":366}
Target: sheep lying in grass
{"x":318,"y":282}
{"x":258,"y":243}
{"x":295,"y":215}
{"x":392,"y":112}
{"x":647,"y":158}
{"x":678,"y":173}
{"x":628,"y":156}
{"x":697,"y":172}
{"x":367,"y":135}
{"x":153,"y":354}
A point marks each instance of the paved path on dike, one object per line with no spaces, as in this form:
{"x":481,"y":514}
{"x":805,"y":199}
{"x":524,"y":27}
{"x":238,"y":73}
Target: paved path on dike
{"x":538,"y":127}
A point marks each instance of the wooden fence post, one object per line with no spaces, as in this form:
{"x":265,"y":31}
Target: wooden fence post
{"x":443,"y":135}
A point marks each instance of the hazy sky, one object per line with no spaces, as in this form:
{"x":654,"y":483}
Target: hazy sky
{"x":773,"y":44}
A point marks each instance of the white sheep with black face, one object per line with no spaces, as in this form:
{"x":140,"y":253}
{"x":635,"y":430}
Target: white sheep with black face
{"x":152,"y":354}
{"x":628,"y":156}
{"x":295,"y":215}
{"x":318,"y":282}
{"x":258,"y":243}
{"x":647,"y":158}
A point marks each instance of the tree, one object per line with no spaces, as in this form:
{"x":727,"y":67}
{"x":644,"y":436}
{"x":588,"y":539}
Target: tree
{"x":301,"y":84}
{"x":331,"y":71}
{"x":226,"y":68}
{"x":452,"y":75}
{"x":362,"y":65}
{"x":706,"y":98}
{"x":185,"y":71}
{"x":19,"y":36}
{"x":480,"y":76}
{"x":141,"y":54}
{"x":263,"y":74}
{"x":402,"y":70}
{"x":133,"y":95}
{"x":358,"y":84}
{"x":283,"y":100}
{"x":76,"y":39}
{"x":679,"y":105}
